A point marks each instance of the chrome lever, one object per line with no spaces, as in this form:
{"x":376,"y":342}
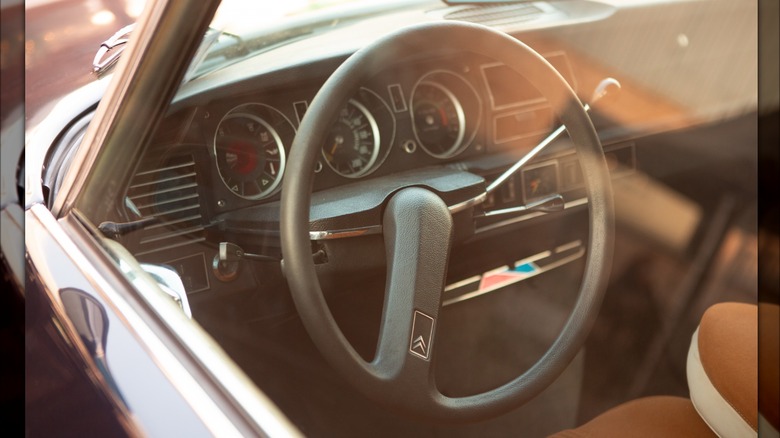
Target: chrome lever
{"x":604,"y":88}
{"x":549,"y":204}
{"x":230,"y":252}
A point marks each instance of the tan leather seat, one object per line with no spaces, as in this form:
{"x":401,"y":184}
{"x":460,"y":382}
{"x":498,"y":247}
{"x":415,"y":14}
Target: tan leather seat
{"x":723,"y":378}
{"x":723,"y":369}
{"x":661,"y":416}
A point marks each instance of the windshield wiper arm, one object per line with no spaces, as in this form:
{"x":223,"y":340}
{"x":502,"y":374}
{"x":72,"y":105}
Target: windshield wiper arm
{"x":110,"y":49}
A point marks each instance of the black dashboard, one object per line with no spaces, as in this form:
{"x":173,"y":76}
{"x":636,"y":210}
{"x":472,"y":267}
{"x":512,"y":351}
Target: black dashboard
{"x":214,"y":171}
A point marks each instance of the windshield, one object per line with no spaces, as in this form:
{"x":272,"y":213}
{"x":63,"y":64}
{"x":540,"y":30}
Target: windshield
{"x":242,"y":29}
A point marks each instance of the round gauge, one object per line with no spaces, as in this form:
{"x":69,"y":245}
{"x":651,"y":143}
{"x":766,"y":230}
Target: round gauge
{"x":250,"y":155}
{"x":438,"y":121}
{"x":352,"y":147}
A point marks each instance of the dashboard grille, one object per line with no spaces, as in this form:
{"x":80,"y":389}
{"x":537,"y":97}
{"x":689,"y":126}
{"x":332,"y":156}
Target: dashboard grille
{"x":168,"y":192}
{"x":495,"y":15}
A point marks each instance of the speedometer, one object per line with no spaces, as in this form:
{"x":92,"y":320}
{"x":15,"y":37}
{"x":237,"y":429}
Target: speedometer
{"x":438,"y":120}
{"x":352,"y":147}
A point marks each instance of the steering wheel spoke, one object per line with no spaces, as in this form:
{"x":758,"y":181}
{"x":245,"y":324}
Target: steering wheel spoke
{"x":417,"y":233}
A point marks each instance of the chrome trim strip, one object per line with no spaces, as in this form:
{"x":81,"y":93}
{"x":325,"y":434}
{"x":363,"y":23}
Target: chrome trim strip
{"x":535,"y":257}
{"x":462,"y":283}
{"x":531,"y":206}
{"x":468,"y":203}
{"x":568,"y":246}
{"x":377,"y":229}
{"x":539,"y":270}
{"x":341,"y":234}
{"x":514,"y":220}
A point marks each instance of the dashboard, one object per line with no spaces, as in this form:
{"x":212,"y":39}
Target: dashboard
{"x":212,"y":177}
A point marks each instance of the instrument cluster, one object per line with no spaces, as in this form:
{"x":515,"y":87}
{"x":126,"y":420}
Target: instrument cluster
{"x":384,"y":128}
{"x":424,"y":113}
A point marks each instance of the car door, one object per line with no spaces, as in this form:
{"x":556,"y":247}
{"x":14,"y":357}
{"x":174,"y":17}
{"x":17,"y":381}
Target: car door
{"x":111,"y":353}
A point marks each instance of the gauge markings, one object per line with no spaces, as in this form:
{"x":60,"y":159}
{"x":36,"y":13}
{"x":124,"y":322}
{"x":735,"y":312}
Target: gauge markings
{"x":352,"y":146}
{"x":438,"y":119}
{"x":250,"y":154}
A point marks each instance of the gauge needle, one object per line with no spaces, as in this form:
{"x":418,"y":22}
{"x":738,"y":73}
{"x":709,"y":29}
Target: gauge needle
{"x":443,"y":115}
{"x":336,"y":142}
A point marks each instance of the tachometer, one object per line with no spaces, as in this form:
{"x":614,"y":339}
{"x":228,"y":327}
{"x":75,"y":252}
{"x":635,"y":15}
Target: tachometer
{"x":249,"y":151}
{"x":438,"y":119}
{"x":352,"y":147}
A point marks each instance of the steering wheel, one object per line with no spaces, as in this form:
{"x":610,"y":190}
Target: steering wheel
{"x":418,"y":228}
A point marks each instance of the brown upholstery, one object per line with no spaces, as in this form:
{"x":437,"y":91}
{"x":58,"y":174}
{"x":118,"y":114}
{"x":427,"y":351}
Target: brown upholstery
{"x":768,"y":357}
{"x":728,"y":347}
{"x":660,"y":416}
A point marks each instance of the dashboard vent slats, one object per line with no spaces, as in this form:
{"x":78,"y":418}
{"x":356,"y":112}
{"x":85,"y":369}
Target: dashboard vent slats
{"x":169,"y":192}
{"x":495,"y":15}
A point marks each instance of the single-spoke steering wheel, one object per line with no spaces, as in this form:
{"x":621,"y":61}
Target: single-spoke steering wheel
{"x":417,"y":227}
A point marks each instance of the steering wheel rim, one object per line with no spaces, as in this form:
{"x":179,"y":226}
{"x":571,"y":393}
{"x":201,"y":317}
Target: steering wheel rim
{"x":404,"y":381}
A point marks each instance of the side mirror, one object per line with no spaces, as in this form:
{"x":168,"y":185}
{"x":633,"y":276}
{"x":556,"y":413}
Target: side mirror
{"x":89,"y":318}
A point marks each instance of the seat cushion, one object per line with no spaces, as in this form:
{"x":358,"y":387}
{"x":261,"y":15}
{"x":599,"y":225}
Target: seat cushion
{"x":723,"y":369}
{"x":661,"y":416}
